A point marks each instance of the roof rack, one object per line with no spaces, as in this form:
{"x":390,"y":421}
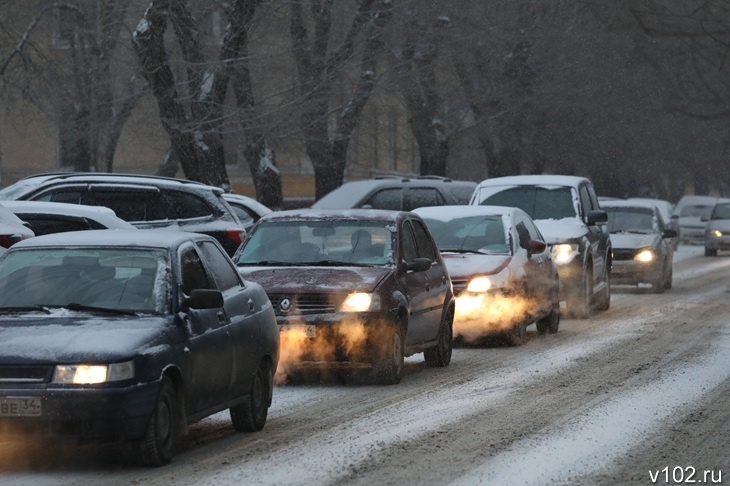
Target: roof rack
{"x":64,"y":175}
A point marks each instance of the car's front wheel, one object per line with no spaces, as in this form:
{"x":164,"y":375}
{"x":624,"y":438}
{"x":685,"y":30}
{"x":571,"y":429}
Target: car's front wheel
{"x":158,"y":446}
{"x":710,"y":252}
{"x":389,"y":355}
{"x":250,"y":415}
{"x":579,"y":302}
{"x":551,"y":322}
{"x":440,"y":355}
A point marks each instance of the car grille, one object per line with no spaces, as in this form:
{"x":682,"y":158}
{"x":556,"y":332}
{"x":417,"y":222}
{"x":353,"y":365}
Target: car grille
{"x":25,"y":374}
{"x":624,"y":254}
{"x":305,"y":303}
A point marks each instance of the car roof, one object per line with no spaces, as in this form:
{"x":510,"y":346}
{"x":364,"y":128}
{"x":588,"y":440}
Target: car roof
{"x":155,"y":238}
{"x":352,"y":192}
{"x":447,"y":213}
{"x":338,"y":214}
{"x":535,"y":180}
{"x":621,"y":203}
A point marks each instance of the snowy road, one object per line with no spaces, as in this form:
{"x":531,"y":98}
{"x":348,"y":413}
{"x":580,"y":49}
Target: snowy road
{"x":638,"y":392}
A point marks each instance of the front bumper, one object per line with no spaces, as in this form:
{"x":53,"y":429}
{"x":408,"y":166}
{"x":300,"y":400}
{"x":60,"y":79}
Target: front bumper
{"x":97,"y":414}
{"x":631,"y":272}
{"x":692,"y":235}
{"x":714,"y":242}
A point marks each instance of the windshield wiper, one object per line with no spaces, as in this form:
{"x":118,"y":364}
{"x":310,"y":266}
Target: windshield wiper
{"x":272,"y":263}
{"x":337,"y":263}
{"x":26,"y":308}
{"x":462,"y":250}
{"x":81,"y":307}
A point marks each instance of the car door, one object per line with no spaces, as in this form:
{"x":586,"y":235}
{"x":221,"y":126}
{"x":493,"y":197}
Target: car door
{"x":597,"y":234}
{"x":242,"y":309}
{"x":209,"y":338}
{"x":538,"y":267}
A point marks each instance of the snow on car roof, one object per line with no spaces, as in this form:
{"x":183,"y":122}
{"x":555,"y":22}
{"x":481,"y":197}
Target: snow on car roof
{"x":371,"y":214}
{"x":446,"y":213}
{"x":535,"y":180}
{"x":158,"y":238}
{"x":620,"y":203}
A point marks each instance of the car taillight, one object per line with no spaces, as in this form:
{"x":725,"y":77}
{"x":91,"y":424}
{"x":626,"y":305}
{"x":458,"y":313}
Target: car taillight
{"x":6,"y":241}
{"x":236,"y":235}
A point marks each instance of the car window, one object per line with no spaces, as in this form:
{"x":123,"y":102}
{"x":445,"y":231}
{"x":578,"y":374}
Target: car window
{"x":485,"y":234}
{"x":593,"y":197}
{"x":585,"y":200}
{"x":423,"y":241}
{"x":188,"y":205}
{"x":540,"y":202}
{"x":721,"y":211}
{"x":386,"y":199}
{"x":225,"y":276}
{"x":408,"y":242}
{"x":631,"y":220}
{"x":696,"y":210}
{"x":418,"y":197}
{"x":72,"y":196}
{"x":129,"y":205}
{"x":193,"y":272}
{"x":49,"y":224}
{"x":243,"y":216}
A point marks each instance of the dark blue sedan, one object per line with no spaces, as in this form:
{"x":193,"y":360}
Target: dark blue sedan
{"x":131,"y":335}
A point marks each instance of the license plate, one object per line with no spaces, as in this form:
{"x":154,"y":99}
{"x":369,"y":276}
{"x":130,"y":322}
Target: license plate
{"x":20,"y":407}
{"x":308,"y":330}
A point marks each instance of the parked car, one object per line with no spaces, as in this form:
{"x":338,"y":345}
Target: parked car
{"x":131,"y":335}
{"x":48,"y":217}
{"x":567,"y":213}
{"x":12,"y":229}
{"x":361,"y":287}
{"x":690,"y":211}
{"x":666,"y":210}
{"x":247,"y":209}
{"x":501,"y":270}
{"x":717,"y":231}
{"x":143,"y":200}
{"x":397,"y":193}
{"x":642,"y":244}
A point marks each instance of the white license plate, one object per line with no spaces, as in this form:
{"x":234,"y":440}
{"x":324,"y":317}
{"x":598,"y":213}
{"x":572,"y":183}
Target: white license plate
{"x":308,"y":330}
{"x":20,"y":407}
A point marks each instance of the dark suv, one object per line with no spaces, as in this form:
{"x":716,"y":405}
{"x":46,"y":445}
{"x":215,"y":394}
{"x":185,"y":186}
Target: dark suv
{"x":566,"y":210}
{"x":352,"y":288}
{"x":145,"y":201}
{"x":398,"y":193}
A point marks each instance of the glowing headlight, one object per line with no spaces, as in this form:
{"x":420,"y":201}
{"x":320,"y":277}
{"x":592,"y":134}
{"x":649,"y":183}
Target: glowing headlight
{"x":91,"y":374}
{"x":361,"y":302}
{"x":564,"y":253}
{"x":479,"y":284}
{"x":645,"y":256}
{"x":717,"y":233}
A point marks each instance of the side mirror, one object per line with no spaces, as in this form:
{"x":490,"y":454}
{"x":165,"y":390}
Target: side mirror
{"x":597,"y":216}
{"x":418,"y":265}
{"x":669,"y":233}
{"x":205,"y":299}
{"x":535,"y":246}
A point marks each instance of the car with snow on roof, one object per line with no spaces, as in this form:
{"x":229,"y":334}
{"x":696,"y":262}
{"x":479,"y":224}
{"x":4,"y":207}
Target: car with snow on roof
{"x":501,"y":269}
{"x":358,"y":288}
{"x":112,"y":335}
{"x":567,"y":212}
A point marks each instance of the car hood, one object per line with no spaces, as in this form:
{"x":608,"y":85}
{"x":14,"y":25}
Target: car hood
{"x":464,"y":265}
{"x":316,"y":279}
{"x":560,"y":230}
{"x":74,"y":337}
{"x":633,"y":241}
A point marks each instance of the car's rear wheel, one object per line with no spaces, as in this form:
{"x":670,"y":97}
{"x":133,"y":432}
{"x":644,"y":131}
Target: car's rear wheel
{"x":551,"y":322}
{"x":389,"y":355}
{"x":579,"y":303}
{"x":440,"y":355}
{"x":710,"y":252}
{"x":158,"y":446}
{"x":250,"y":415}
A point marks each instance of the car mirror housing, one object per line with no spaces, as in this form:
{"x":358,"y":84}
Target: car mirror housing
{"x":205,"y":299}
{"x":418,"y":265}
{"x":535,"y":246}
{"x":596,"y":216}
{"x":669,"y":233}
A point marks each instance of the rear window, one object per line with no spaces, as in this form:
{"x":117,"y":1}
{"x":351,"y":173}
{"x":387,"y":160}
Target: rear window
{"x":129,"y":205}
{"x":540,"y":202}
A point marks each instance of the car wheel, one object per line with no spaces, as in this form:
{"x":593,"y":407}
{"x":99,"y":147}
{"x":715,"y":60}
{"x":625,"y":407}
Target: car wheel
{"x":250,"y":415}
{"x":579,"y":304}
{"x":388,"y":359}
{"x":657,"y":286}
{"x":604,"y":300}
{"x":551,"y":322}
{"x":158,"y":446}
{"x":710,"y":252}
{"x":668,"y":281}
{"x":440,"y":355}
{"x":518,"y":335}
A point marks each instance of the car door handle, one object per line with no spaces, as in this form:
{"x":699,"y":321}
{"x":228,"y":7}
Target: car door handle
{"x":251,"y":304}
{"x":222,"y":318}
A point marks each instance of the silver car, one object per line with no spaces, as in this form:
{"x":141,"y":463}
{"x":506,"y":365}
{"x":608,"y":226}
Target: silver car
{"x":717,"y":231}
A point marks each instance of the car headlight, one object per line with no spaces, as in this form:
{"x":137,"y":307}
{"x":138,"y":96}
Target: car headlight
{"x":479,"y":284}
{"x":645,"y":256}
{"x":361,"y":302}
{"x":83,"y":374}
{"x":564,"y":253}
{"x":717,"y":233}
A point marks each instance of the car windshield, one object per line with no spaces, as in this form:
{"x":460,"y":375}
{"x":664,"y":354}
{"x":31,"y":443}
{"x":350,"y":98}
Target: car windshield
{"x":696,"y":211}
{"x":482,"y":234}
{"x":721,"y":211}
{"x":540,"y":202}
{"x":630,"y":220}
{"x":323,"y":242}
{"x":132,"y":280}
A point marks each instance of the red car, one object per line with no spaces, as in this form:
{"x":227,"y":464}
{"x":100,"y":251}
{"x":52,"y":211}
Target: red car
{"x":501,"y":269}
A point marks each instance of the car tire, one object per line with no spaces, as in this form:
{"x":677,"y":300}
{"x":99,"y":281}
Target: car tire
{"x":250,"y":415}
{"x":668,"y":281}
{"x":551,"y":322}
{"x":160,"y":440}
{"x":604,"y":299}
{"x":389,"y":355}
{"x":710,"y":252}
{"x":440,"y":355}
{"x":518,"y":334}
{"x":579,"y":304}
